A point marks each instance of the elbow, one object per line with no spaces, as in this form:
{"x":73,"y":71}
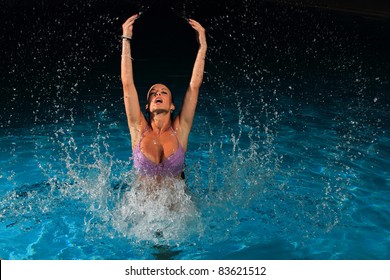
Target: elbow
{"x":125,"y":86}
{"x":126,"y":83}
{"x":124,"y":80}
{"x":195,"y":85}
{"x":128,"y":88}
{"x":196,"y":82}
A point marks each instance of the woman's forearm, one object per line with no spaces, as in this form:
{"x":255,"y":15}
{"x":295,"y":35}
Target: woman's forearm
{"x":198,"y":69}
{"x":126,"y":65}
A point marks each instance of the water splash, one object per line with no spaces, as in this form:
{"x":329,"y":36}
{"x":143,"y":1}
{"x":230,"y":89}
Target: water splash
{"x":165,"y":216}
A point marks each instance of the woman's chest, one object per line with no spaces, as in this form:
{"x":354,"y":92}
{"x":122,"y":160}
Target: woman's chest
{"x":159,"y":147}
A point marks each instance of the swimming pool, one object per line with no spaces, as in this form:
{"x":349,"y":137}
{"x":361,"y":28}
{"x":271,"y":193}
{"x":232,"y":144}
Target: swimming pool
{"x":288,"y":159}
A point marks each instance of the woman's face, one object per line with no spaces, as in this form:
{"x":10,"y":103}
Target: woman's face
{"x":159,"y":99}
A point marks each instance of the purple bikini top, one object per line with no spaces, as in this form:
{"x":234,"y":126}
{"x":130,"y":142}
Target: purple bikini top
{"x":170,"y":167}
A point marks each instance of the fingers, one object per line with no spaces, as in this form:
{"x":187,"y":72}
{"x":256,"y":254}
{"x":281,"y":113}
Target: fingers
{"x":201,"y":32}
{"x":128,"y":25}
{"x":196,"y":25}
{"x":131,"y":19}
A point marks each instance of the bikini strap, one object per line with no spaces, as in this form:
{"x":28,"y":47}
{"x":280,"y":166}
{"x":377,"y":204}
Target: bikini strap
{"x":174,"y":132}
{"x":141,"y":137}
{"x":143,"y":132}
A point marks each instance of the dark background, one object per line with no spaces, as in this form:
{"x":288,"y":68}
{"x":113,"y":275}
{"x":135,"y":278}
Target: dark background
{"x":54,"y":54}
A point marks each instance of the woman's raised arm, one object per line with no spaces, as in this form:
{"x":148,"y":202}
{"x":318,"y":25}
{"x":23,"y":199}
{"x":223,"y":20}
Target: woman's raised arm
{"x":191,"y":97}
{"x":135,"y":118}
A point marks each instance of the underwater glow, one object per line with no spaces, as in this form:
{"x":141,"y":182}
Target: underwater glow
{"x":287,"y":159}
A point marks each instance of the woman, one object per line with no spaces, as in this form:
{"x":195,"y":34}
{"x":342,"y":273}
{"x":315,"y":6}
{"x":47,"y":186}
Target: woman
{"x":158,"y":207}
{"x":159,"y":145}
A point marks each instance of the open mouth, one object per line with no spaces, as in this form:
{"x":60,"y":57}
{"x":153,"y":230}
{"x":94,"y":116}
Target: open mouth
{"x":158,"y":100}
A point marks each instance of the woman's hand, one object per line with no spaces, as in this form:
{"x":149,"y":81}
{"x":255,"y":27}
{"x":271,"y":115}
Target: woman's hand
{"x":128,"y":26}
{"x":201,"y":32}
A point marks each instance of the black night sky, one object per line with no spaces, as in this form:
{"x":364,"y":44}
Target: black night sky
{"x":74,"y":46}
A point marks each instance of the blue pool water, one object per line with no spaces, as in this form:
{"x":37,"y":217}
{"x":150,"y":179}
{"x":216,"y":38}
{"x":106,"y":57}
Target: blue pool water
{"x":288,"y":158}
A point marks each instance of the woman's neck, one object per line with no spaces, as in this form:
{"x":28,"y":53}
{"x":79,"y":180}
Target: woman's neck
{"x":160,"y":123}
